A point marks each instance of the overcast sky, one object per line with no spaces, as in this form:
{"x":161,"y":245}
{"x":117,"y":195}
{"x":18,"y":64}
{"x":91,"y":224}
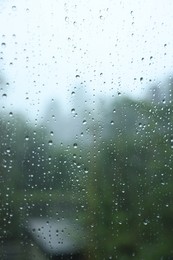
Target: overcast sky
{"x":50,"y":46}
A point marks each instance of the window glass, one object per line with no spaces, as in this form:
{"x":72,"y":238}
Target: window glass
{"x":86,"y":151}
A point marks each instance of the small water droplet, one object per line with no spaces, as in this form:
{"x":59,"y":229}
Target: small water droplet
{"x":26,"y":137}
{"x":67,"y":19}
{"x":146,"y":222}
{"x":13,"y":7}
{"x":3,"y":44}
{"x":8,"y":150}
{"x":4,"y":95}
{"x":84,"y":122}
{"x":112,"y":122}
{"x":51,"y":133}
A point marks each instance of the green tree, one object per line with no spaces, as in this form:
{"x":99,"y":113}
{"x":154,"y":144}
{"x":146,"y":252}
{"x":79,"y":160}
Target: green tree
{"x":129,"y":188}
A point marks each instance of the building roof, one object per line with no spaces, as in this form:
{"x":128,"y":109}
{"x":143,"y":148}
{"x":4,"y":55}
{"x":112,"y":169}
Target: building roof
{"x":56,"y":236}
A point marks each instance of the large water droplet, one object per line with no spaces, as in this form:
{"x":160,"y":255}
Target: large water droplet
{"x":75,"y":145}
{"x":50,"y":142}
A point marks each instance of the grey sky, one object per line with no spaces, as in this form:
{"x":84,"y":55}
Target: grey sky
{"x":109,"y":46}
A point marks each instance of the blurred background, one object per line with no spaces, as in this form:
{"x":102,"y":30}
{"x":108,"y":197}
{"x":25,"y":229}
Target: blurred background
{"x":86,"y":125}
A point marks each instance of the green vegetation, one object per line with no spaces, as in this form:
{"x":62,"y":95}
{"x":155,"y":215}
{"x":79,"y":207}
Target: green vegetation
{"x":119,"y":185}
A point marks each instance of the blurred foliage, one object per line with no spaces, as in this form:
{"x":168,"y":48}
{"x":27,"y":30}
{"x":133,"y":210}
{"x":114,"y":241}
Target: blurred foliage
{"x":131,"y":195}
{"x":119,"y":184}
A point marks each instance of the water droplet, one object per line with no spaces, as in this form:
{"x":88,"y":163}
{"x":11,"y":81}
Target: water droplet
{"x":86,"y":170}
{"x":146,"y":222}
{"x":13,"y":7}
{"x":50,"y":142}
{"x":84,"y":122}
{"x":8,"y":150}
{"x":75,"y":145}
{"x":3,"y":44}
{"x":26,"y":137}
{"x":4,"y":95}
{"x":11,"y":114}
{"x":112,"y":122}
{"x":51,"y":133}
{"x":67,"y":19}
